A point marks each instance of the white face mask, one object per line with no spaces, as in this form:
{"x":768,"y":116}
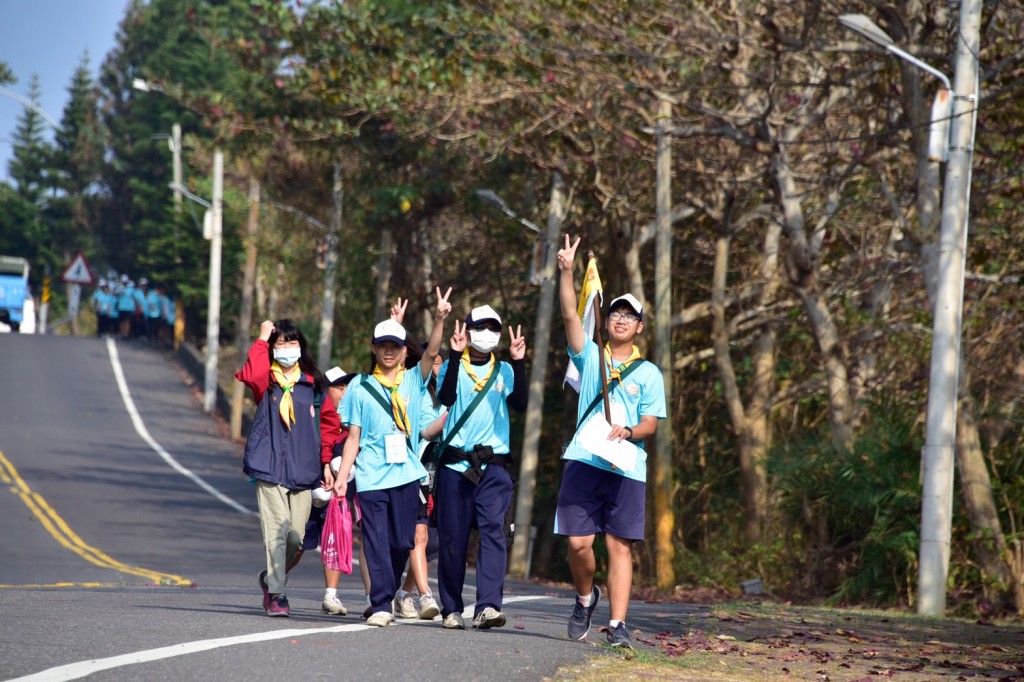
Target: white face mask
{"x":287,"y":357}
{"x":483,"y":340}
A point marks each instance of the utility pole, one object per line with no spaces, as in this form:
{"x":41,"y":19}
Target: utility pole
{"x":330,"y":271}
{"x":213,"y":310}
{"x":940,"y":426}
{"x":535,"y":405}
{"x":664,"y":514}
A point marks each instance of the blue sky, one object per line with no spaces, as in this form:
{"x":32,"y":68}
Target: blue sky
{"x":48,"y":37}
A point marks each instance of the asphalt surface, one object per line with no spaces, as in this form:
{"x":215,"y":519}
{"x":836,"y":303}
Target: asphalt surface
{"x":125,"y":556}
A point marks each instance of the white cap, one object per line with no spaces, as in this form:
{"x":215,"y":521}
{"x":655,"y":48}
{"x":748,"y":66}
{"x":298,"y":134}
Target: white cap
{"x":481,"y":313}
{"x":336,"y":376}
{"x":630,"y":300}
{"x":321,"y":496}
{"x":389,"y":330}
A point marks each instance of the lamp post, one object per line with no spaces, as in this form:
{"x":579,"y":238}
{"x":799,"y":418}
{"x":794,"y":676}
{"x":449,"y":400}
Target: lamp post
{"x":940,"y":426}
{"x":212,"y":230}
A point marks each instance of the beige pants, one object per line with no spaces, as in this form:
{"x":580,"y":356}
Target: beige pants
{"x":283,"y":516}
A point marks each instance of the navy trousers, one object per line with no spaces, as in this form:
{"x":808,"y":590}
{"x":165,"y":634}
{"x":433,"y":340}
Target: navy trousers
{"x":389,"y":532}
{"x":460,"y":506}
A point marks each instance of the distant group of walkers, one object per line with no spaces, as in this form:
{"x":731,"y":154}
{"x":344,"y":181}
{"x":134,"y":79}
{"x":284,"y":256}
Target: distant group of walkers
{"x":420,"y":445}
{"x":128,"y":310}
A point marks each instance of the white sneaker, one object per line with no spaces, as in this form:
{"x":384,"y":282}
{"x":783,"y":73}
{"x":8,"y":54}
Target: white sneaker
{"x":454,"y":621}
{"x":379,"y":619}
{"x":333,"y":606}
{"x":428,"y":607}
{"x":489,"y":618}
{"x":405,"y":607}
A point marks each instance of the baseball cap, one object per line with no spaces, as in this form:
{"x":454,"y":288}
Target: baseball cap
{"x":389,"y":330}
{"x":630,"y":300}
{"x":336,"y":376}
{"x":481,"y":313}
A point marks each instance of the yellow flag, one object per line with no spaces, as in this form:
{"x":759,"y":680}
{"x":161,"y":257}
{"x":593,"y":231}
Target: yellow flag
{"x":592,"y":289}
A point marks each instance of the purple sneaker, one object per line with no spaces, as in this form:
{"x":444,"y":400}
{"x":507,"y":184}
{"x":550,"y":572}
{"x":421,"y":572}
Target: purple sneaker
{"x":266,"y":591}
{"x":278,"y":606}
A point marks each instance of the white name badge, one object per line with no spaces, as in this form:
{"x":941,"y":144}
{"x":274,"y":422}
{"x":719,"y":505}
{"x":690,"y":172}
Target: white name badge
{"x":395,"y":450}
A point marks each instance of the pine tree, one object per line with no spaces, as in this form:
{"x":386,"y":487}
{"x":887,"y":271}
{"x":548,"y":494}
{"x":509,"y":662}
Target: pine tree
{"x":76,"y":165}
{"x":24,"y":204}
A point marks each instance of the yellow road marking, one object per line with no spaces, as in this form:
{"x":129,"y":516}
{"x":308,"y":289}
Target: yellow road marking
{"x":61,"y":532}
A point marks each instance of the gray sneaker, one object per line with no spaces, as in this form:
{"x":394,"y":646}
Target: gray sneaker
{"x":579,"y":621}
{"x":454,"y":621}
{"x":619,"y":637}
{"x":488,"y":618}
{"x":405,"y":607}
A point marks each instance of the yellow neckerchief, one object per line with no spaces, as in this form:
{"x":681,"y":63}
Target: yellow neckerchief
{"x":614,"y":372}
{"x":398,"y":408}
{"x":478,"y":383}
{"x":287,"y":406}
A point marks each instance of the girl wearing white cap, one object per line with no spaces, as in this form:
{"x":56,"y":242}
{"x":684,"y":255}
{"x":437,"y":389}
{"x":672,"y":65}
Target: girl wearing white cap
{"x":382,"y":413}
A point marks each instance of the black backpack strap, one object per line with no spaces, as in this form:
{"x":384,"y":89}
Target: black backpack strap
{"x":477,"y":399}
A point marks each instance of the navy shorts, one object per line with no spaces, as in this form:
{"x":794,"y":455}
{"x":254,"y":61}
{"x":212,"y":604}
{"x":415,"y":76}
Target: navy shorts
{"x":593,"y":500}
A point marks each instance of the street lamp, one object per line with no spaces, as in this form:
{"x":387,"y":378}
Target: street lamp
{"x":212,"y":230}
{"x":940,"y":427}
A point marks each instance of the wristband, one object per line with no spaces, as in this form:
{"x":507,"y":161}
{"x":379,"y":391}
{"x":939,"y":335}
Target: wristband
{"x":630,"y":429}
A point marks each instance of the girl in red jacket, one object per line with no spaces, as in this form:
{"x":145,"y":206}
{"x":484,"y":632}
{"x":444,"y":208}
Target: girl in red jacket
{"x":289,"y":448}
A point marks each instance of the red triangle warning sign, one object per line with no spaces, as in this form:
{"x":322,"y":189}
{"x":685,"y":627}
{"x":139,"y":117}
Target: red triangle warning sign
{"x":78,"y":272}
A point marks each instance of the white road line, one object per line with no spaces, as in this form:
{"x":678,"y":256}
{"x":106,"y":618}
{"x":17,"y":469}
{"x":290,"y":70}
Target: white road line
{"x":140,"y":428}
{"x":75,"y":671}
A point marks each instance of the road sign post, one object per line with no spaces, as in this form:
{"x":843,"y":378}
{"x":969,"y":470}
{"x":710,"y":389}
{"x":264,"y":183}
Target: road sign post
{"x":76,"y":274}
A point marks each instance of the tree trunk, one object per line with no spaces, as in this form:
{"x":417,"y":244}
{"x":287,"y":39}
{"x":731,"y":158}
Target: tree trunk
{"x":252,"y":227}
{"x":664,"y":510}
{"x":387,"y":248}
{"x":1003,"y":584}
{"x":803,"y":266}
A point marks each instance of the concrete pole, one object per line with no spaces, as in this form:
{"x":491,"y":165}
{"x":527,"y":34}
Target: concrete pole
{"x":538,"y":371}
{"x":213,"y":309}
{"x":940,"y":427}
{"x":323,"y":357}
{"x":176,"y":165}
{"x":664,"y":514}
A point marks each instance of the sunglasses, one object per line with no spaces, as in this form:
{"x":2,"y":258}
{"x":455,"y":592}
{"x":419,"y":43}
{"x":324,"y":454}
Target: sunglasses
{"x":489,"y":325}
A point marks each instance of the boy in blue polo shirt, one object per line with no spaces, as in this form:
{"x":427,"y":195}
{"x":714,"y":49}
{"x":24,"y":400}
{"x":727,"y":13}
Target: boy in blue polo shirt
{"x":474,"y":485}
{"x":597,"y":496}
{"x":382,"y":444}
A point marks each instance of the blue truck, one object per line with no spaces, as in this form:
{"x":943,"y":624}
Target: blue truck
{"x":13,"y":290}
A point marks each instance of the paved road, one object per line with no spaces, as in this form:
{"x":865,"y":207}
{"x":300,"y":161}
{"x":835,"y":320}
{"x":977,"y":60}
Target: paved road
{"x":130,"y":547}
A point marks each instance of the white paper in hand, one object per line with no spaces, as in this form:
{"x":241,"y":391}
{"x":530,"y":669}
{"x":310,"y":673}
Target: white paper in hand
{"x":593,"y":437}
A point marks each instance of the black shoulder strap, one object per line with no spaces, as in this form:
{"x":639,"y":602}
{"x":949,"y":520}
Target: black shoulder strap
{"x":477,"y":399}
{"x":386,"y":404}
{"x":590,"y":408}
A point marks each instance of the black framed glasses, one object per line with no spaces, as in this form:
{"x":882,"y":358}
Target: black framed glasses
{"x":620,"y":316}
